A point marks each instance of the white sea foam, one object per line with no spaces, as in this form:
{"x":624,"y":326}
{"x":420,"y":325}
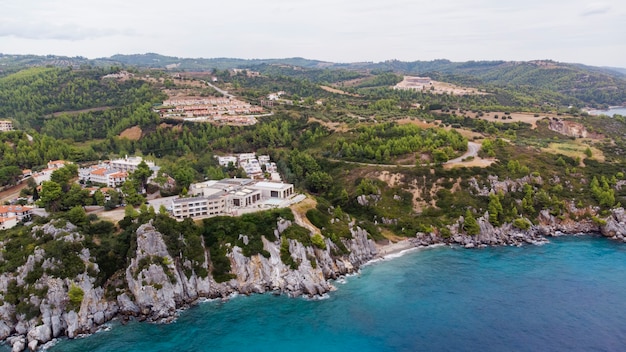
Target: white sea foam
{"x":49,"y":344}
{"x":317,"y":297}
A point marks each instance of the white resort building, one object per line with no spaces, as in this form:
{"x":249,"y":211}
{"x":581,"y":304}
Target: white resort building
{"x":231,"y":197}
{"x":114,"y":173}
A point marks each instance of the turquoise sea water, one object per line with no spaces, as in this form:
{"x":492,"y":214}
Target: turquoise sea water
{"x":569,"y":295}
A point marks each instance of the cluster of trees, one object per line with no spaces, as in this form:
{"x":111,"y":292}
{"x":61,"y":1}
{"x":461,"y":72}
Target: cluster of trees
{"x":92,"y":125}
{"x":29,"y":95}
{"x":383,"y":142}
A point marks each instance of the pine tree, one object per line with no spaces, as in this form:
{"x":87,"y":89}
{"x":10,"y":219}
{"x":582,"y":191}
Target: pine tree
{"x":471,"y":225}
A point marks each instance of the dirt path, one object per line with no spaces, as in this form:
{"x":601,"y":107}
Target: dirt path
{"x":299,"y":213}
{"x":11,"y":193}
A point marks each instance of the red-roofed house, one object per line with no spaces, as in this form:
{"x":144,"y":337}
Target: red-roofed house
{"x":17,"y":211}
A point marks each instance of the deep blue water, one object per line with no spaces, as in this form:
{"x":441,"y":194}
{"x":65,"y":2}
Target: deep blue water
{"x":569,"y":295}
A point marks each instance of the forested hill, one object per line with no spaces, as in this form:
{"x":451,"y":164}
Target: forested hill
{"x":592,"y":86}
{"x":30,"y":96}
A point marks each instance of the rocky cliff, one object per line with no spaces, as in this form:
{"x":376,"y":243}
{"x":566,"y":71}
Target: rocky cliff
{"x":155,"y":284}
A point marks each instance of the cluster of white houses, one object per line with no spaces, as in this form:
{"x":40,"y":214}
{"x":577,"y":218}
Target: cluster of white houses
{"x":252,"y":166}
{"x":230,"y":197}
{"x":113,"y":173}
{"x":45,"y":174}
{"x":10,"y":215}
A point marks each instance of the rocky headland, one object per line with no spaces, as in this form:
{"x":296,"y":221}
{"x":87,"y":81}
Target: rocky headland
{"x":155,"y":284}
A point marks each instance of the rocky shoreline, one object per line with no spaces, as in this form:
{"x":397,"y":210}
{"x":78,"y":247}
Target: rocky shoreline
{"x":156,"y":292}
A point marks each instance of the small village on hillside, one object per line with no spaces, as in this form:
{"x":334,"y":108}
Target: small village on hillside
{"x":261,"y":190}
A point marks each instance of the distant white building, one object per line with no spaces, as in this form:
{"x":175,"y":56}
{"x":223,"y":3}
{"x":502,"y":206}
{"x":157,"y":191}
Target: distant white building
{"x":8,"y":222}
{"x":129,"y":164}
{"x":115,"y":172}
{"x":46,"y":174}
{"x":252,"y":166}
{"x":6,"y":125}
{"x":226,"y":160}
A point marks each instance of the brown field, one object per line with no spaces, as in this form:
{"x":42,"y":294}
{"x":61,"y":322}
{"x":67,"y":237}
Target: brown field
{"x":133,"y":133}
{"x":351,"y":83}
{"x":338,"y":91}
{"x":437,"y":87}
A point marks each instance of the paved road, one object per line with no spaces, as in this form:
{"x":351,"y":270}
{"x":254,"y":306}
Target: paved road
{"x":472,"y":151}
{"x":225,"y":93}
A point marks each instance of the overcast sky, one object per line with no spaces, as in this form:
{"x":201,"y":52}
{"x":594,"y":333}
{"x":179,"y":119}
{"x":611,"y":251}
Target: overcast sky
{"x":582,"y":31}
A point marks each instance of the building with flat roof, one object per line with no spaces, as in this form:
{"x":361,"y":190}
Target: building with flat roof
{"x":6,"y":125}
{"x":229,"y":196}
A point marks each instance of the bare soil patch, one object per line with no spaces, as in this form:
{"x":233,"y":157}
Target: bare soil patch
{"x":133,"y":133}
{"x":333,"y":126}
{"x":11,"y":193}
{"x":391,"y":179}
{"x":300,"y":210}
{"x":338,"y":91}
{"x":476,"y":162}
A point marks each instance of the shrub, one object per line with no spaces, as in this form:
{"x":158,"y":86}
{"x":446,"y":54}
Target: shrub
{"x":521,"y":223}
{"x":318,"y":241}
{"x":76,"y":295}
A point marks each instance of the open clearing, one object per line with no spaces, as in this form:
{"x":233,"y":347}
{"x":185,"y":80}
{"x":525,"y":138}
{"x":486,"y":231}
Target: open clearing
{"x":333,"y":126}
{"x":436,"y":87}
{"x":574,"y":149}
{"x":437,"y":123}
{"x":338,"y":91}
{"x":133,"y":133}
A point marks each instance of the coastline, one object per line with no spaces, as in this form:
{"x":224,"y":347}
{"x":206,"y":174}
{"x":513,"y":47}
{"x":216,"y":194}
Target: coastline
{"x":597,"y":112}
{"x":307,"y":281}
